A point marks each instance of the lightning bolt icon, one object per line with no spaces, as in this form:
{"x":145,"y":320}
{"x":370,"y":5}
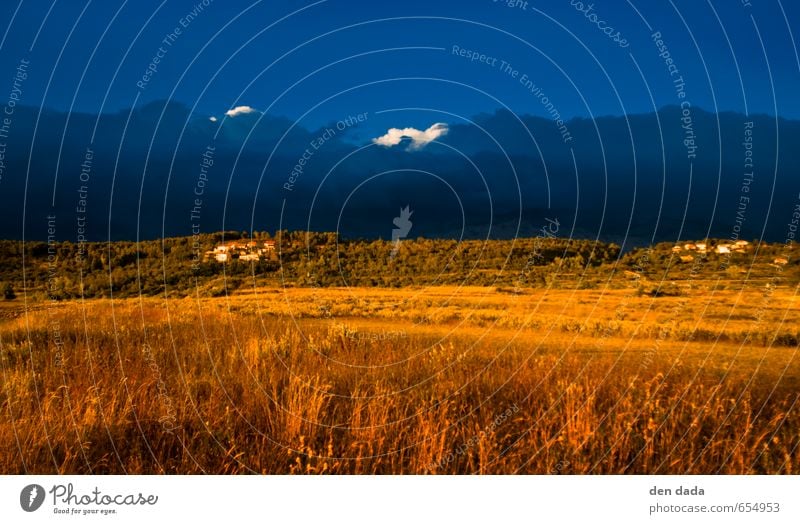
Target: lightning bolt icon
{"x":32,"y":496}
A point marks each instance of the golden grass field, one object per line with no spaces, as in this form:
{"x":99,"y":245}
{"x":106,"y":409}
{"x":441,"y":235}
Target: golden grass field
{"x":433,"y":380}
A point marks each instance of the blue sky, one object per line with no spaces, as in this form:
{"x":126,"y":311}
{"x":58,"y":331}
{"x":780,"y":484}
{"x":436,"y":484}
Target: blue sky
{"x":326,"y":60}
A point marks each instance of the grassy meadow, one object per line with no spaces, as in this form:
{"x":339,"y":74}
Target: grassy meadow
{"x":423,"y":380}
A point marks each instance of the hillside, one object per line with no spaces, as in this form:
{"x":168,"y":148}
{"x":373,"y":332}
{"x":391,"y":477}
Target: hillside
{"x":182,"y":266}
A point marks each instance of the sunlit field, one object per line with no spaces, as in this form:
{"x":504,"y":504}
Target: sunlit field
{"x":436,"y":380}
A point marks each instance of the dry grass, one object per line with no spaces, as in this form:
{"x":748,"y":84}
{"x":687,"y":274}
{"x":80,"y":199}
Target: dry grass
{"x":437,"y":380}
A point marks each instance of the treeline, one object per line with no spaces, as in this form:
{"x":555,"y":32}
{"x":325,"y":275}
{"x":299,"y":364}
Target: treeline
{"x":177,"y":266}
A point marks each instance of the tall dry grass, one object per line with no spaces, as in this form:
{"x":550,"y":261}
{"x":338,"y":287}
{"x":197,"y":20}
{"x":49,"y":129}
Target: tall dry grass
{"x":264,"y":383}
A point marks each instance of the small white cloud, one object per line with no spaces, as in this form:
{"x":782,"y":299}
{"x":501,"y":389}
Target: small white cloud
{"x":419,"y":139}
{"x":239,"y":110}
{"x":213,"y":118}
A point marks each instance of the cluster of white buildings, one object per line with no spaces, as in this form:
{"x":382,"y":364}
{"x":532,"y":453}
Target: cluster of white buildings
{"x":724,"y":248}
{"x":244,"y":251}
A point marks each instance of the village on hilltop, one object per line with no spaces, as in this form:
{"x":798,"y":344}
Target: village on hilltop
{"x":244,"y":251}
{"x":254,"y":251}
{"x":724,"y":248}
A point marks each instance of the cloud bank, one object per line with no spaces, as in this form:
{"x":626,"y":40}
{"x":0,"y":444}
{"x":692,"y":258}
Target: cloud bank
{"x":419,"y":139}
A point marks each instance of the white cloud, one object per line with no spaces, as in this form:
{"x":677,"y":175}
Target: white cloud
{"x":239,"y":110}
{"x":419,"y":139}
{"x":213,"y":118}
